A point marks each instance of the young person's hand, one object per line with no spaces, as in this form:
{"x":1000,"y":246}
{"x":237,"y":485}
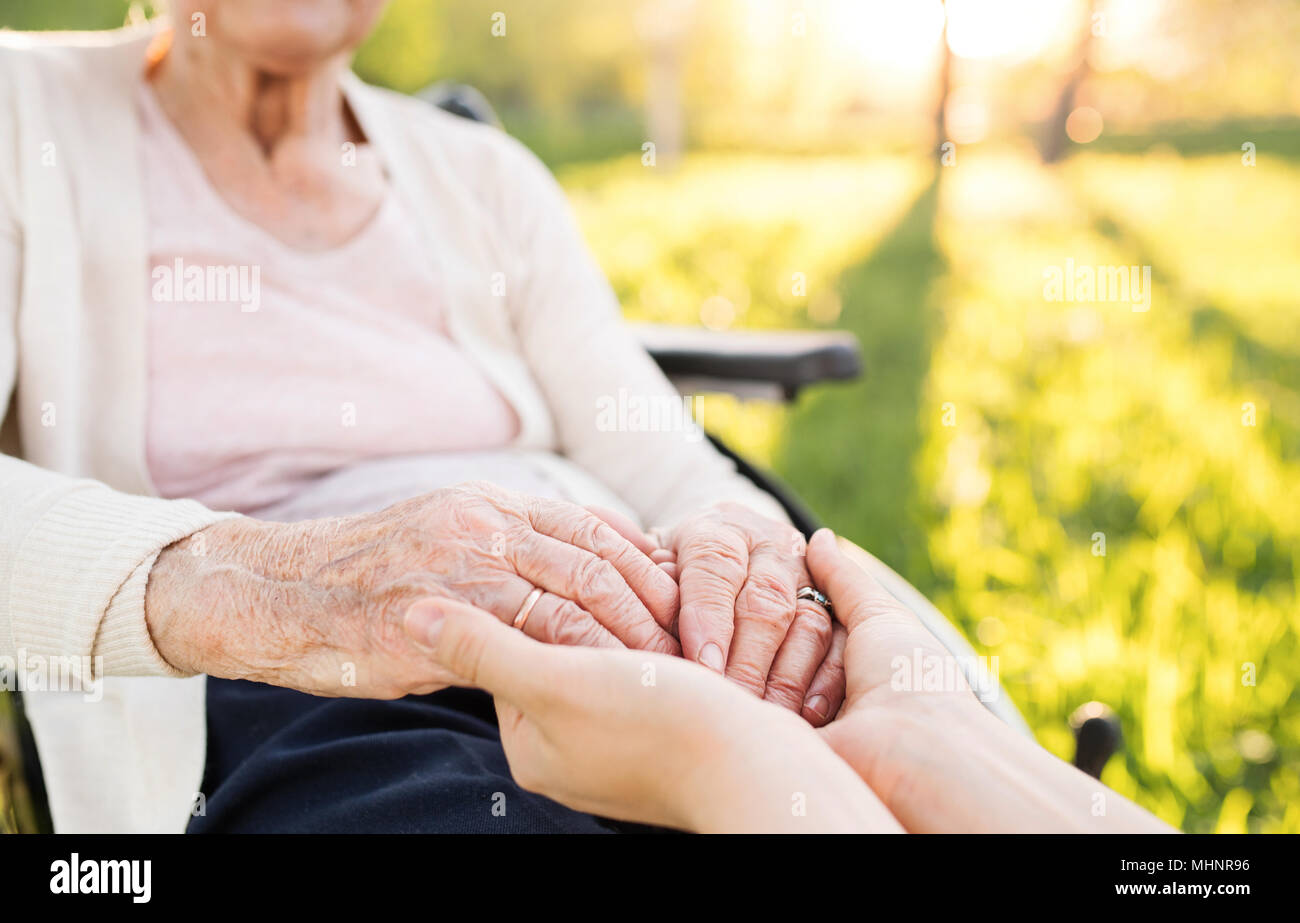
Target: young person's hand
{"x":937,"y":758}
{"x":645,"y":737}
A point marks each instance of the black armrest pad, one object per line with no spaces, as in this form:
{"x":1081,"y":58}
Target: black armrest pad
{"x":790,"y":359}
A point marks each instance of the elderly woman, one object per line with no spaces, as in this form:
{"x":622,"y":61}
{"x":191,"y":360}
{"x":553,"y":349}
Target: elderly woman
{"x":234,"y":278}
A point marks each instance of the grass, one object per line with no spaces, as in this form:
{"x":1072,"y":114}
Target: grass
{"x":1001,"y":441}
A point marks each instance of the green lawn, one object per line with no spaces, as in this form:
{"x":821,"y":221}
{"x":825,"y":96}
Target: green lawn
{"x":997,"y":432}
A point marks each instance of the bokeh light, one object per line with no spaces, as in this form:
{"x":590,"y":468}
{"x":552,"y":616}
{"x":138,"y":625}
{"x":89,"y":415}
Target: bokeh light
{"x":1083,"y":125}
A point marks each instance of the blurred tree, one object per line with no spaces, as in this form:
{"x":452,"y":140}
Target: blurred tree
{"x":1054,"y":140}
{"x":945,"y":86}
{"x":663,"y":24}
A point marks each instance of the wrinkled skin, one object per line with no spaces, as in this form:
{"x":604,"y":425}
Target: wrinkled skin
{"x":738,"y":573}
{"x":318,"y":606}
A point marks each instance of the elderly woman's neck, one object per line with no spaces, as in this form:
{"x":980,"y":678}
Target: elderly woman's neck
{"x":269,"y":108}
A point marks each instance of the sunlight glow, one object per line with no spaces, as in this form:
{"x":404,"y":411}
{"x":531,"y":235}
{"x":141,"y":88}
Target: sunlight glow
{"x":904,"y":35}
{"x":1008,"y":28}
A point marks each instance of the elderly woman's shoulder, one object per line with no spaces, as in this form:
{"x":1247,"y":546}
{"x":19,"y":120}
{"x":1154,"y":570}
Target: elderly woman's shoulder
{"x":424,"y":118}
{"x":474,"y":149}
{"x":69,"y":57}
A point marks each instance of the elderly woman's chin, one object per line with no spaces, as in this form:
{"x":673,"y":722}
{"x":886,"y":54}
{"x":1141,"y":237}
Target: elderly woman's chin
{"x":284,"y":37}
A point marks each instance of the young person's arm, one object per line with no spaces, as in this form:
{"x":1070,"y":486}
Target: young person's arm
{"x":939,"y":760}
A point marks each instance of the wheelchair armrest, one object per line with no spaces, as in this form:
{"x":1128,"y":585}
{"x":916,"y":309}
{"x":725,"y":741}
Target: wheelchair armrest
{"x":788,"y":360}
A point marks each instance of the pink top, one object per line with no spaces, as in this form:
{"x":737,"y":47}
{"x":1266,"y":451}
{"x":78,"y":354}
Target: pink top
{"x":270,"y":366}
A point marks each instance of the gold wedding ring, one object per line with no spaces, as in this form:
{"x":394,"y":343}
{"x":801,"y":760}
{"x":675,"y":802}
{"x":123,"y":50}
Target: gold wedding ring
{"x":529,"y":601}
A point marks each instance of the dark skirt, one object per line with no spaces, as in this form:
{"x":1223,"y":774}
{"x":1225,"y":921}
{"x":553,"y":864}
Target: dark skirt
{"x":281,"y":761}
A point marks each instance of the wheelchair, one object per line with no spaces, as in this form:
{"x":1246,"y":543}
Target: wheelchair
{"x":748,"y":364}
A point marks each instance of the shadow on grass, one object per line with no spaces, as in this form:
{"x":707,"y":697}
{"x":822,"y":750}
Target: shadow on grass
{"x":1254,"y":363}
{"x":850,"y":450}
{"x":1253,"y":360}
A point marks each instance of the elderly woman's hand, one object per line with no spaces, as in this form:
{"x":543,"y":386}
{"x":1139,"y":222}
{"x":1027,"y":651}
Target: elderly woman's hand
{"x":319,"y":606}
{"x":739,"y":573}
{"x":648,"y":738}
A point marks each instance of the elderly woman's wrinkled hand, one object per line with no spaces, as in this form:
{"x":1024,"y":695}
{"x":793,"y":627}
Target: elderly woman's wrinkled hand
{"x":739,"y":575}
{"x":319,"y":606}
